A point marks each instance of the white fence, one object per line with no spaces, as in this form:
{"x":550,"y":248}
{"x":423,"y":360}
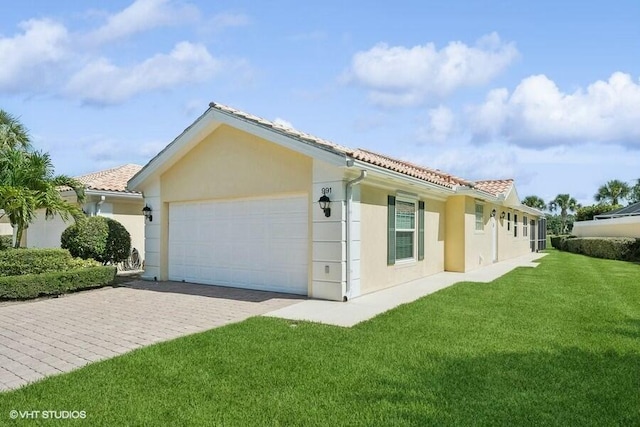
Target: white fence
{"x":627,"y":226}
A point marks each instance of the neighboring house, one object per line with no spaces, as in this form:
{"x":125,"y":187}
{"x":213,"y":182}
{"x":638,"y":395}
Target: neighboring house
{"x":623,"y":222}
{"x":236,"y":201}
{"x":106,"y":195}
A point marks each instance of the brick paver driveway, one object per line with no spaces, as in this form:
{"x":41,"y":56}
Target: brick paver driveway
{"x":50,"y":336}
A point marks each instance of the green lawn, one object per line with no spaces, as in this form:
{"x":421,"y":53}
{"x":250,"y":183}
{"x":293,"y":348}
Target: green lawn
{"x":554,"y":345}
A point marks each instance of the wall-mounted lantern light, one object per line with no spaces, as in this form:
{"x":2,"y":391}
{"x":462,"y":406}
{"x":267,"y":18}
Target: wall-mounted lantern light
{"x":493,"y":213}
{"x":146,"y":211}
{"x":502,"y":215}
{"x":324,"y":203}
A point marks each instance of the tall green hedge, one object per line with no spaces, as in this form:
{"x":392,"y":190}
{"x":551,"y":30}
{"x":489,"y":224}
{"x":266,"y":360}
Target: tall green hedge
{"x":36,"y":261}
{"x":55,"y":283}
{"x":620,"y":248}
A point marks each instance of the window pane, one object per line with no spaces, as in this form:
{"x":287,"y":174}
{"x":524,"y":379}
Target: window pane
{"x":405,"y":215}
{"x":404,"y":244}
{"x":479,"y":217}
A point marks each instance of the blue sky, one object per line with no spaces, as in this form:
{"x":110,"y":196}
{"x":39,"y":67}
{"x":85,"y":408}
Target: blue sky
{"x":545,"y":92}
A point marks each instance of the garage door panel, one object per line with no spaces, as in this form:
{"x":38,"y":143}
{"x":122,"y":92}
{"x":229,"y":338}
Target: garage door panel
{"x":257,"y":244}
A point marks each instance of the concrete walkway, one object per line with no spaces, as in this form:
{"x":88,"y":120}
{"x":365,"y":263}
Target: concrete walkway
{"x":50,"y":336}
{"x":367,"y":306}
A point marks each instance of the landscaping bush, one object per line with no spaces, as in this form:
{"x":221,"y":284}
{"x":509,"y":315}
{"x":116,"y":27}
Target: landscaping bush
{"x":620,"y":248}
{"x":560,"y":242}
{"x":34,"y":285}
{"x":37,"y":261}
{"x":6,"y":242}
{"x":97,"y":237}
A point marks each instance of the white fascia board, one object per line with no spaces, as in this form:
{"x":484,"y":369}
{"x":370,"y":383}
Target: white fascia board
{"x":182,"y":141}
{"x":479,"y":194}
{"x":530,"y":210}
{"x":207,"y":123}
{"x":114,"y":194}
{"x":386,"y":174}
{"x":328,"y":155}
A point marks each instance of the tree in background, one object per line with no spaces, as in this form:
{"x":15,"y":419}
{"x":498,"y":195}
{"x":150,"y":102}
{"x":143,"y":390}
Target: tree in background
{"x":613,"y":192}
{"x":13,"y":134}
{"x":587,"y":213}
{"x":534,"y":202}
{"x":634,"y":194}
{"x":565,"y":203}
{"x":28,"y":182}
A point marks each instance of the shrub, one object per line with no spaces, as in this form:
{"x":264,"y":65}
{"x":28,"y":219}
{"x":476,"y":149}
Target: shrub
{"x":34,"y":285}
{"x":560,"y":242}
{"x":620,"y":248}
{"x":36,"y":261}
{"x":6,"y":242}
{"x":103,"y":239}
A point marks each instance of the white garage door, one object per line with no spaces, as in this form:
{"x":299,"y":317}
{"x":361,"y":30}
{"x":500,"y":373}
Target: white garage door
{"x":256,"y":244}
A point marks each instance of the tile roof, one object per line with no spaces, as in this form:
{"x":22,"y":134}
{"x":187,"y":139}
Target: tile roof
{"x":433,"y":176}
{"x":114,"y":179}
{"x":495,"y":186}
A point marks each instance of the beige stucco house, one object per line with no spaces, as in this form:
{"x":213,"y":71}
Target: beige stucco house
{"x":238,"y":201}
{"x":106,"y":195}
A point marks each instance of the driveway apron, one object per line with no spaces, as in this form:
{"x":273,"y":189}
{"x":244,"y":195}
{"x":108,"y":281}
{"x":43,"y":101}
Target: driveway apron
{"x":50,"y":336}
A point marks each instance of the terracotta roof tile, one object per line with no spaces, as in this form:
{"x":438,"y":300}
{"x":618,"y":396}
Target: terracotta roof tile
{"x":433,"y":176}
{"x":495,"y":186}
{"x":114,"y":179}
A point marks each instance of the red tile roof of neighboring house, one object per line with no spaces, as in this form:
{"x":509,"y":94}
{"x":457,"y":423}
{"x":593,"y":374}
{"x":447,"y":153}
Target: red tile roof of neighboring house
{"x":114,"y":179}
{"x":495,"y":186}
{"x":433,"y":176}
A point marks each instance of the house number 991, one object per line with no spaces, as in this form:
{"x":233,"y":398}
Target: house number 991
{"x":326,"y":191}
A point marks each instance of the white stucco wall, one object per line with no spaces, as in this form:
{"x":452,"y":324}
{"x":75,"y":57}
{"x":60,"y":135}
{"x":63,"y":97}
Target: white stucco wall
{"x":628,"y":226}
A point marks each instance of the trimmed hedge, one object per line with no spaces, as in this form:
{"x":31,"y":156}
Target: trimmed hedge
{"x":34,"y":285}
{"x":6,"y":242}
{"x":559,"y":242}
{"x":620,"y":248}
{"x":37,"y":261}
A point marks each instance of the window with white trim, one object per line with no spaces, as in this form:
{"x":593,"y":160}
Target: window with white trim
{"x":479,"y":217}
{"x":515,"y":225}
{"x":405,"y":229}
{"x":508,"y":221}
{"x":525,"y":226}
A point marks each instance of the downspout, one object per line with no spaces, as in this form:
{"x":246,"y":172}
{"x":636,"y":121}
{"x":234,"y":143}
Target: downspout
{"x":98,"y":205}
{"x":349,"y":196}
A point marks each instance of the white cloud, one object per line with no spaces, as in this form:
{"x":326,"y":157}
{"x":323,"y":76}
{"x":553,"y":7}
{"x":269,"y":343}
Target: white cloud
{"x":440,"y":126}
{"x":28,"y":59}
{"x":143,"y":15}
{"x":487,"y":162}
{"x":397,"y":75}
{"x":226,"y":20}
{"x":538,"y":113}
{"x":283,"y":123}
{"x":102,"y":82}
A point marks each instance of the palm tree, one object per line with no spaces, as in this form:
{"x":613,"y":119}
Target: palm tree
{"x":534,"y":202}
{"x":634,"y":193}
{"x":13,"y":134}
{"x":27,"y":184}
{"x":612,"y":192}
{"x":565,"y":203}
